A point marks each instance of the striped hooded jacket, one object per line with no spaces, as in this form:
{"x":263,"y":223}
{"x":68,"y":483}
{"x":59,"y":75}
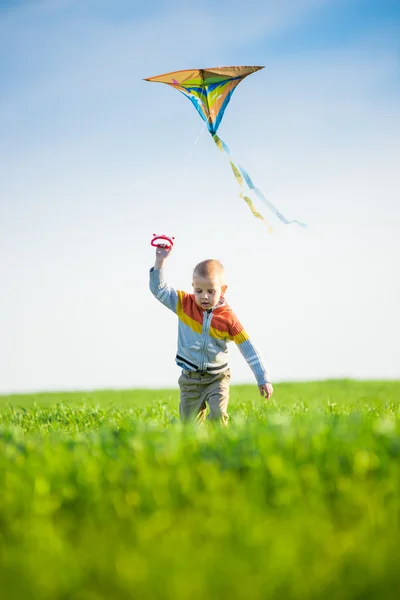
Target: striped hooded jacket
{"x":203,"y":334}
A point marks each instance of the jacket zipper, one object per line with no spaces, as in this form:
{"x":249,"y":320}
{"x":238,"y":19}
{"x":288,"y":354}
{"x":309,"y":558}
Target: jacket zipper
{"x":206,"y":329}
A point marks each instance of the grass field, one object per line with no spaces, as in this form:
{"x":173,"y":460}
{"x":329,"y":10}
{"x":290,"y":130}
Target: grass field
{"x":104,"y":495}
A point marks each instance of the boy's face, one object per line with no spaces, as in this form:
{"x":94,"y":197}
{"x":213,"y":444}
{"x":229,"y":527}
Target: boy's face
{"x":207,"y":291}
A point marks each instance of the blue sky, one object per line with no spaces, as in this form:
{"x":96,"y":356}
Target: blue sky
{"x":93,"y":160}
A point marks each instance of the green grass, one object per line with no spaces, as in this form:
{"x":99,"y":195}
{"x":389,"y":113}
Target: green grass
{"x":104,"y":495}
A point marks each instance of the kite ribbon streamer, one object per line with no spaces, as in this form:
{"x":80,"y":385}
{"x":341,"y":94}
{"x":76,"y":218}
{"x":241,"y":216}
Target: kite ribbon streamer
{"x":249,"y":203}
{"x":241,"y":174}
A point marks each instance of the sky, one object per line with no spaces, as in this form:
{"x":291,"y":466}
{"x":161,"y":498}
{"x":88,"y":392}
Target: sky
{"x":94,"y":160}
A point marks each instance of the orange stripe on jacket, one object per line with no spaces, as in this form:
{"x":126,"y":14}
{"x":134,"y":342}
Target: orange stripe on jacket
{"x":225,"y":324}
{"x":186,"y":313}
{"x":190,"y":307}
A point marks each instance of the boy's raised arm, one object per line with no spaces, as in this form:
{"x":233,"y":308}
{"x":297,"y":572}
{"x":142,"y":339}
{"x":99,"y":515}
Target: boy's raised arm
{"x":158,"y":287}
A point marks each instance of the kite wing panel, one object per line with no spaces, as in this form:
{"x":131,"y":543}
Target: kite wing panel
{"x":209,"y":90}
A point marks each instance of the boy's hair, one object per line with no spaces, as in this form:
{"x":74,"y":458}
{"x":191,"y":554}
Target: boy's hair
{"x":210,"y":268}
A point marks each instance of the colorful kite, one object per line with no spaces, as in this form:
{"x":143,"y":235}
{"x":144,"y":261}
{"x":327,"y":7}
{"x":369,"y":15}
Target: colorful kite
{"x":210,"y":91}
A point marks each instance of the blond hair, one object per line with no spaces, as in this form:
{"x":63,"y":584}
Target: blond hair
{"x":211,"y":268}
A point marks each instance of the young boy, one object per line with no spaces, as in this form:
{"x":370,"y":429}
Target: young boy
{"x":206,"y":324}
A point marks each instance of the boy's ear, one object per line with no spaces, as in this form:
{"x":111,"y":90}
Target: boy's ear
{"x":223,"y":289}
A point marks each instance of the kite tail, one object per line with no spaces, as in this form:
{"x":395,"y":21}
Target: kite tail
{"x":249,"y":203}
{"x":240,"y":174}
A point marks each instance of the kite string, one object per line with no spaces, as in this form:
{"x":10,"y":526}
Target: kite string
{"x":195,"y":144}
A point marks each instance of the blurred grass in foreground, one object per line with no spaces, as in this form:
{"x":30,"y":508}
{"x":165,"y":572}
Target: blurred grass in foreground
{"x":103,"y":495}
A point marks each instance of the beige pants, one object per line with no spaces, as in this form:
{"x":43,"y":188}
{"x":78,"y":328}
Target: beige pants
{"x":197,"y":390}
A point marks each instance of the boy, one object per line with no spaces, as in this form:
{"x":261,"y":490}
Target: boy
{"x":206,"y":324}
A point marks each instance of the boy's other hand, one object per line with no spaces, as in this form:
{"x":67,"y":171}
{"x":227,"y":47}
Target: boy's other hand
{"x":266,"y":390}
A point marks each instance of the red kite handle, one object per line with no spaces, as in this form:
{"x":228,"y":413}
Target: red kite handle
{"x":166,"y":240}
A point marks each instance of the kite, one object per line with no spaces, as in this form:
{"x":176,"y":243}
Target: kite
{"x":210,"y":91}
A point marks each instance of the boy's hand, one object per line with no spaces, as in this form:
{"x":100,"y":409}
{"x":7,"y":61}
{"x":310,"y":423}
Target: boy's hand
{"x":163,"y":250}
{"x":162,"y":253}
{"x":266,"y":389}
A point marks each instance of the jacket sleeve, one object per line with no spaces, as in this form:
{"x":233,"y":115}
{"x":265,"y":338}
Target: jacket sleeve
{"x":162,"y":291}
{"x":250,"y":353}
